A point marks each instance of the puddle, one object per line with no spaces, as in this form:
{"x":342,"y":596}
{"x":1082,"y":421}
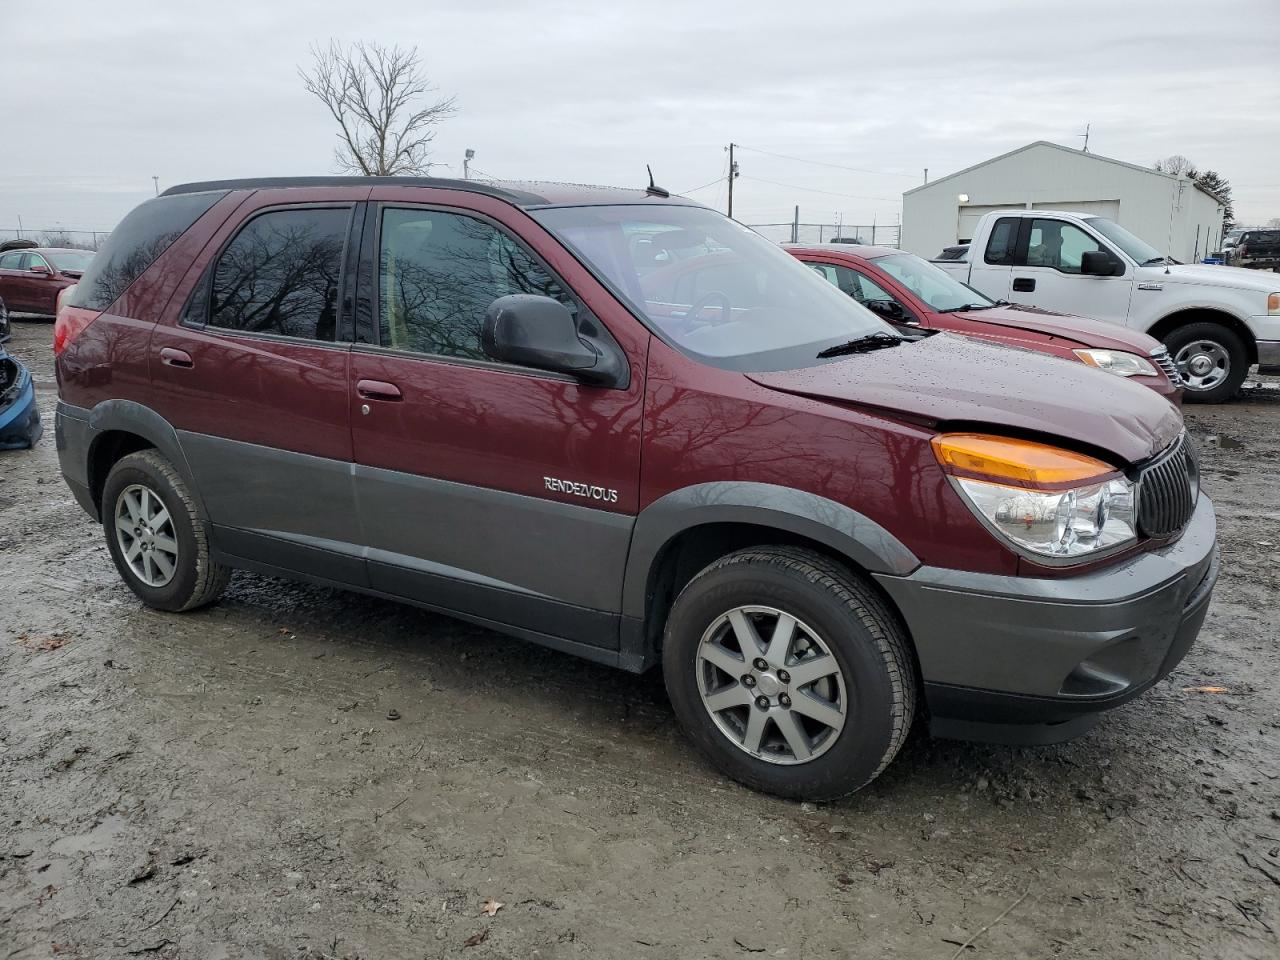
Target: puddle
{"x":1223,"y":442}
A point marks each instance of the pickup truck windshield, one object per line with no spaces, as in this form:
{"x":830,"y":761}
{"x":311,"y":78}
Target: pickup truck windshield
{"x":1138,"y":250}
{"x":711,"y":286}
{"x":933,"y":285}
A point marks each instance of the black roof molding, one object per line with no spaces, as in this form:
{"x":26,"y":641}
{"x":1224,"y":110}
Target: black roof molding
{"x":518,"y":197}
{"x":519,"y":193}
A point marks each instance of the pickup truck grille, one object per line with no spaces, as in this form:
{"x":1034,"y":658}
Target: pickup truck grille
{"x":1167,"y":490}
{"x":1165,"y":362}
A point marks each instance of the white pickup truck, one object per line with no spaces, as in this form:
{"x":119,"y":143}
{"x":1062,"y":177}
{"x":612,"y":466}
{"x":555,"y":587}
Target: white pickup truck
{"x":1216,"y":321}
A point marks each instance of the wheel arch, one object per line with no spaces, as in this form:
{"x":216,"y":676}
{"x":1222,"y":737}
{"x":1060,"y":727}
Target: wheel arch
{"x":122,"y":427}
{"x":1181,"y":318}
{"x":681,"y":533}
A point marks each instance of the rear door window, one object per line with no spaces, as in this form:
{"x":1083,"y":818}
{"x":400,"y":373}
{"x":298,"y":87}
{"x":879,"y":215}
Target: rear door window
{"x":1000,"y":244}
{"x":280,"y":275}
{"x":11,"y":261}
{"x":136,"y":243}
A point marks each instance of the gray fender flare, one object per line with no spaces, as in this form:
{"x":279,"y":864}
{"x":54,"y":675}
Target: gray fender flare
{"x":135,"y":418}
{"x":843,"y":529}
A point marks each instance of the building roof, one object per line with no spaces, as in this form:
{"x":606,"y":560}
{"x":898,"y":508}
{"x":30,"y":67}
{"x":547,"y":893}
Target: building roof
{"x":1058,"y":146}
{"x":517,"y":192}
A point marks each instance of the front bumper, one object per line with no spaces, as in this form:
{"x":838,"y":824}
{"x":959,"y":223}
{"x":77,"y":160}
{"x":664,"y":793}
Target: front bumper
{"x":1029,"y":660}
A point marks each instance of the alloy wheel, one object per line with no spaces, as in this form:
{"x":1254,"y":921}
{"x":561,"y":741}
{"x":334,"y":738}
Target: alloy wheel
{"x":145,"y":535}
{"x":771,"y":684}
{"x":1203,"y":364}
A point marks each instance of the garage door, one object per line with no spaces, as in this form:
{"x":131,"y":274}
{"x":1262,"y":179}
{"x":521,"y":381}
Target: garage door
{"x":969,"y":217}
{"x":1086,"y":208}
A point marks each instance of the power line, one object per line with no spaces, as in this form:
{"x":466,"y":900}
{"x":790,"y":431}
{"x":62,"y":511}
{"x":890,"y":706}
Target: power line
{"x":822,"y":163}
{"x":829,"y":193}
{"x":703,"y":187}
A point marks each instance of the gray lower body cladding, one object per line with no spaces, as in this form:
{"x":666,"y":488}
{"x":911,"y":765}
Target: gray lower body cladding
{"x":1036,"y":660}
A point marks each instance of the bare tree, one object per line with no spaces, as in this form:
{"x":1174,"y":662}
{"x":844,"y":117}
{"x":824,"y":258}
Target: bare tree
{"x":1177,"y":166}
{"x":373,"y":92}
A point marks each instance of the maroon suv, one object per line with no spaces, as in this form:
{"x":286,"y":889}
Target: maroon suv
{"x":499,"y":401}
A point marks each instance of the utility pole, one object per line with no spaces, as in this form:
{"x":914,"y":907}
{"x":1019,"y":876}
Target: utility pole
{"x":19,"y":226}
{"x":795,"y":226}
{"x":926,"y":174}
{"x":1085,"y":148}
{"x":733,"y":175}
{"x":466,"y":163}
{"x":156,"y":181}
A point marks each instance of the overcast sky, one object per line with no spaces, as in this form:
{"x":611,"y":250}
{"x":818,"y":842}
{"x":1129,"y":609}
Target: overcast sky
{"x":100,"y":96}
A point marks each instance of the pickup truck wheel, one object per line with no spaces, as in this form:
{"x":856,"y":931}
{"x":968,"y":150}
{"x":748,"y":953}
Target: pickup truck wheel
{"x":157,"y":540}
{"x":789,"y":673}
{"x":1212,"y":360}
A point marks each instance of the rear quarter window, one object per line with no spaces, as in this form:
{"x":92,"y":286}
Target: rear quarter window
{"x":1000,"y":246}
{"x":135,"y":244}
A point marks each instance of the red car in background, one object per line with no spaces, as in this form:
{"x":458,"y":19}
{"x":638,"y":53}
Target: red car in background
{"x":911,"y":292}
{"x":31,"y":277}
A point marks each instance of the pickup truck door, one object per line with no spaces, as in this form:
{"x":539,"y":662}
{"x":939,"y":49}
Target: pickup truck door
{"x":1046,"y":272}
{"x":991,"y":262}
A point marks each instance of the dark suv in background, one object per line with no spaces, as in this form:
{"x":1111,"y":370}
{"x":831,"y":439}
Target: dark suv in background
{"x":1258,"y":250}
{"x":502,"y":402}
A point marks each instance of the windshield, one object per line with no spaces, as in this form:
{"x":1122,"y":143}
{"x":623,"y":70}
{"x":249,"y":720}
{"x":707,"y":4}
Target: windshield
{"x":1138,"y":250}
{"x":75,"y":260}
{"x":711,"y":286}
{"x":933,"y":285}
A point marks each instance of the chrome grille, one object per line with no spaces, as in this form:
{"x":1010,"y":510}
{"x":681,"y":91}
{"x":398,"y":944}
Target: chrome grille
{"x":1167,"y":490}
{"x":1165,"y":362}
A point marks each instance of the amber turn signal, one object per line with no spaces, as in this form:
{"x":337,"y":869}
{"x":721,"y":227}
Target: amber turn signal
{"x":1022,"y":461}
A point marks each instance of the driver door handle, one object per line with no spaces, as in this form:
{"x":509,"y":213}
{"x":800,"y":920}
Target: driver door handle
{"x":378,"y":390}
{"x":1024,"y":284}
{"x":172,"y":357}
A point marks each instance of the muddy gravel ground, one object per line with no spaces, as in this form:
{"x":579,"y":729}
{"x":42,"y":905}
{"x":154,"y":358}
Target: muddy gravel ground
{"x":305,"y":773}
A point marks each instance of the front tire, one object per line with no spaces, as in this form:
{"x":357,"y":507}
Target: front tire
{"x":155,"y":536}
{"x":789,"y":673}
{"x":1212,"y":360}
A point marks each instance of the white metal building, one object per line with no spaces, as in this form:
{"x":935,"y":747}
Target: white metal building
{"x":1173,"y":214}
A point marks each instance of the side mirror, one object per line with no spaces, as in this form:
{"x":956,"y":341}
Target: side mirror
{"x":540,"y":332}
{"x":1098,"y":263}
{"x":38,"y":268}
{"x":889,"y":309}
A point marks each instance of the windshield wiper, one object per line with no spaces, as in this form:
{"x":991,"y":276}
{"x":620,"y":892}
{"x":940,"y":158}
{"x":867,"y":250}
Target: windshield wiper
{"x":872,"y":341}
{"x":1154,"y":260}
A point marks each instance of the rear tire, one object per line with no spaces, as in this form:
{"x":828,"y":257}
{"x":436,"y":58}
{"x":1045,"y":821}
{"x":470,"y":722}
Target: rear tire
{"x":155,"y":536}
{"x":1212,"y":360}
{"x":758,"y":714}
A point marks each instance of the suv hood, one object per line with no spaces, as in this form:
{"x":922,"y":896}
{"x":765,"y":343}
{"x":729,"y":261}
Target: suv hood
{"x":1211,"y":275}
{"x":954,"y":379}
{"x":1080,"y":330}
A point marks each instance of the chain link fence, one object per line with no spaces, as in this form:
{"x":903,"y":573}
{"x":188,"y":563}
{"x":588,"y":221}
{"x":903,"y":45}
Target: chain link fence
{"x":57,"y":237}
{"x":880,"y":235}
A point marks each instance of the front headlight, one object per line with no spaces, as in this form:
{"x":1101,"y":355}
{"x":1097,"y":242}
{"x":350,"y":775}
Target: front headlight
{"x":1045,"y":501}
{"x":1118,"y":362}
